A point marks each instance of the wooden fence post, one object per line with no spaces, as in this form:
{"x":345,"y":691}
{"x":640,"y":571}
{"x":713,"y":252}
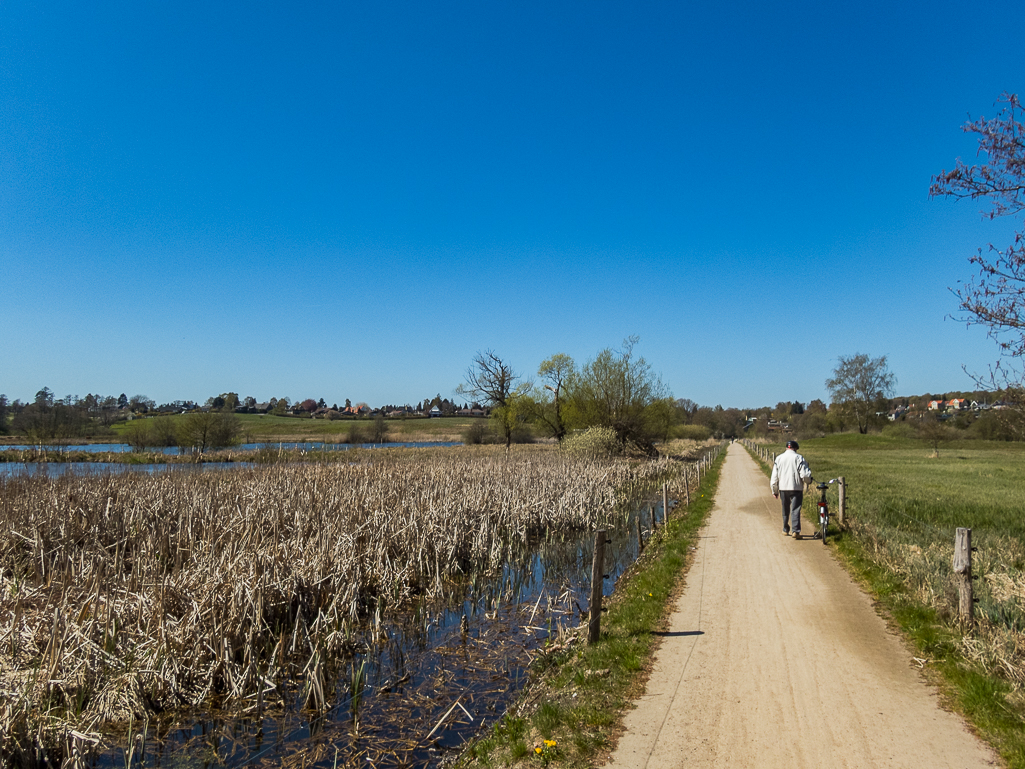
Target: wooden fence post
{"x":686,"y":483}
{"x":597,"y":582}
{"x":665,"y":502}
{"x":843,"y":500}
{"x":963,"y":569}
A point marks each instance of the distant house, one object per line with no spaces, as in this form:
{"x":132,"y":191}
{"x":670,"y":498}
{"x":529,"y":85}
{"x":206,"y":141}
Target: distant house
{"x":434,"y":412}
{"x":937,"y":405}
{"x":957,"y":404}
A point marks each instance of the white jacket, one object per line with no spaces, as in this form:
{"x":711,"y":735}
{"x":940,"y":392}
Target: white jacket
{"x":789,"y":472}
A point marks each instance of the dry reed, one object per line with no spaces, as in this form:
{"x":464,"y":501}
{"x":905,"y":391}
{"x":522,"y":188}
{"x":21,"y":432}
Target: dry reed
{"x":123,"y":596}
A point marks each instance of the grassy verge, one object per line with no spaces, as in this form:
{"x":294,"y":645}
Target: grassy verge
{"x":573,"y":708}
{"x":905,"y":502}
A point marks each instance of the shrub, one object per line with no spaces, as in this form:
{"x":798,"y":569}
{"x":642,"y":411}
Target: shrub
{"x":378,"y":429}
{"x":593,"y":442}
{"x":202,"y":430}
{"x":900,"y":430}
{"x":476,"y":434}
{"x":692,"y":432}
{"x":139,"y":435}
{"x":357,"y":434}
{"x":522,"y":434}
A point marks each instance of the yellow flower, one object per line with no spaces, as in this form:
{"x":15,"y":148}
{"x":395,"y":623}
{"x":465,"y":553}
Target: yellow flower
{"x":550,"y":743}
{"x":650,"y":595}
{"x":537,"y":750}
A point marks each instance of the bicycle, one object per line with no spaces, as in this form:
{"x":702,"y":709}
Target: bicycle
{"x":824,"y":508}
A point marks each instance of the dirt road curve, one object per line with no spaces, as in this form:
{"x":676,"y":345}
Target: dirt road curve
{"x":775,"y":658}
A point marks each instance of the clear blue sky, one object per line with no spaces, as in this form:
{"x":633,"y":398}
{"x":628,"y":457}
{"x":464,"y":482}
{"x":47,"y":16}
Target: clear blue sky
{"x":347,"y":200}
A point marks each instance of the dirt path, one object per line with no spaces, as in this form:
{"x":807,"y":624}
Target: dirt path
{"x":775,"y":658}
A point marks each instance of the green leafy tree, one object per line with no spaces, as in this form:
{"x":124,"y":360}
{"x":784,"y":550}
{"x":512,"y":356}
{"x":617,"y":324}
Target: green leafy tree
{"x":619,"y":390}
{"x":859,"y":388}
{"x":44,"y":398}
{"x":544,"y":404}
{"x":723,"y":423}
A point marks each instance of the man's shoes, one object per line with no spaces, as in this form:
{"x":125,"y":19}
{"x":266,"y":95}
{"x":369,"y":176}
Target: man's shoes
{"x":797,"y":535}
{"x":786,"y":532}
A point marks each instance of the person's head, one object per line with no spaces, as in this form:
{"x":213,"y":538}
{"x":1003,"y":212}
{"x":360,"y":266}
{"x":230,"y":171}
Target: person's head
{"x":793,"y":445}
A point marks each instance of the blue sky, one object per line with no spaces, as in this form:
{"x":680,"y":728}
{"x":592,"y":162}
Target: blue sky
{"x":347,"y":200}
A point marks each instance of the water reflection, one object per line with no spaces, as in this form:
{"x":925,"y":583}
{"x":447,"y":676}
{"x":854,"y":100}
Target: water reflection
{"x":423,"y":680}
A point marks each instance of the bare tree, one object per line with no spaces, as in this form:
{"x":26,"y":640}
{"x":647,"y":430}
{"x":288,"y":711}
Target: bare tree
{"x":202,"y":430}
{"x":858,"y":384}
{"x":490,"y":380}
{"x":995,"y":297}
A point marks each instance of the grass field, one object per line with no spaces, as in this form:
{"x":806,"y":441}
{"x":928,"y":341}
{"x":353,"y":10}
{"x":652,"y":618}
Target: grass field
{"x":905,"y":502}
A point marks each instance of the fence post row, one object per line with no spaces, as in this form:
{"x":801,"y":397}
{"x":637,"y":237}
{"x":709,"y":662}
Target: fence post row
{"x":963,"y":568}
{"x":597,"y":582}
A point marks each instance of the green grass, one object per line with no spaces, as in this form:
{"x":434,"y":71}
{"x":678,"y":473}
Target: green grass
{"x":904,"y":504}
{"x":584,"y":690}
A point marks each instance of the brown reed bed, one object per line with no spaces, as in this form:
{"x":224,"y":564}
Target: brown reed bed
{"x":122,"y":597}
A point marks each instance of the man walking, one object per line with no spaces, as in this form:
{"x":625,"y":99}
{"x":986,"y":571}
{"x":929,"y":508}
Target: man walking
{"x":789,"y":475}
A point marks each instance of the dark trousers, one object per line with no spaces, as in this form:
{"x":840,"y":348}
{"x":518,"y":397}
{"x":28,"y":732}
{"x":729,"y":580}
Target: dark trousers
{"x":792,"y":501}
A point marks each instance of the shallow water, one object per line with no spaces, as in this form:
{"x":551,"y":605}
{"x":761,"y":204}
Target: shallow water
{"x":416,"y":669}
{"x":124,"y":448}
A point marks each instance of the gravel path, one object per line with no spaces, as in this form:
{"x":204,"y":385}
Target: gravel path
{"x":775,"y":658}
